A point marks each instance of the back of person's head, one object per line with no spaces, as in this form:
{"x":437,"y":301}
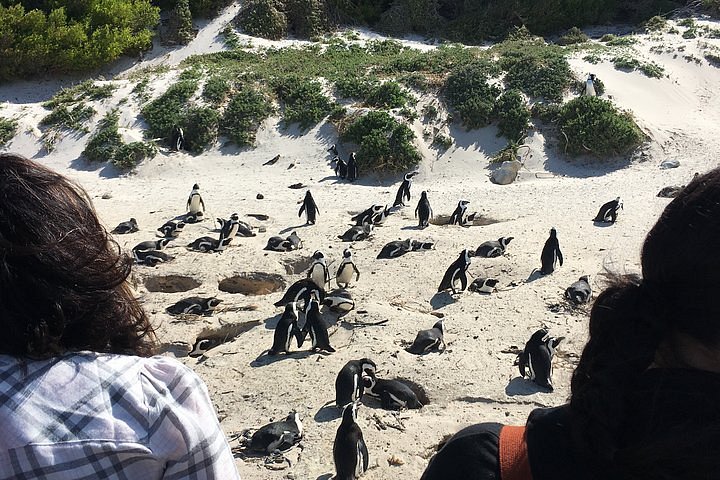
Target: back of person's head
{"x":668,"y":318}
{"x":62,"y":278}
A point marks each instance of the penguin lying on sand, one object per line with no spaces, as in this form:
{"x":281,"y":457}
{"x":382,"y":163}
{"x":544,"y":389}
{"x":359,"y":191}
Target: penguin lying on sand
{"x":130,"y":226}
{"x":152,"y":245}
{"x":172,"y":228}
{"x":535,"y":361}
{"x":377,"y":214}
{"x":416,"y":245}
{"x":393,"y":394}
{"x":194,"y":306}
{"x":277,"y":436}
{"x":429,"y":340}
{"x":280,"y":244}
{"x":396,"y":249}
{"x":349,"y":387}
{"x":483,"y":285}
{"x":492,"y":248}
{"x":151,"y":257}
{"x":208,"y":244}
{"x":579,"y":292}
{"x":339,"y":300}
{"x":355,"y":234}
{"x":456,"y":271}
{"x":350,"y":454}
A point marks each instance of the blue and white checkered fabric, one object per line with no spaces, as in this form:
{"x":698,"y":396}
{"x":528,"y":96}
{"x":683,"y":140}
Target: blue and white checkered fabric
{"x":97,"y":416}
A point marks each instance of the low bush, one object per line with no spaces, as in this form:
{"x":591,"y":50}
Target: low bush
{"x":358,"y":88}
{"x":200,"y":128}
{"x":8,"y":128}
{"x":105,"y":141}
{"x":86,"y":90}
{"x":469,"y":93}
{"x":129,"y":155}
{"x":303,"y":101}
{"x":167,"y":111}
{"x":513,"y":115}
{"x":573,"y":36}
{"x":656,"y":24}
{"x":442,"y":142}
{"x":386,"y":145}
{"x":547,"y":112}
{"x":594,"y":125}
{"x":628,"y":63}
{"x":70,"y":118}
{"x":615,"y":41}
{"x":244,"y":114}
{"x":537,"y":69}
{"x":712,"y":6}
{"x":388,"y":95}
{"x":307,"y":18}
{"x":263,"y":18}
{"x":216,"y":89}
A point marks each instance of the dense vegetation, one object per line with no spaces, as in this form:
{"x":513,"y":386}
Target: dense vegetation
{"x":106,"y":145}
{"x":470,"y":94}
{"x":303,"y":100}
{"x":41,"y":37}
{"x":8,"y":128}
{"x":244,"y":114}
{"x":168,"y":110}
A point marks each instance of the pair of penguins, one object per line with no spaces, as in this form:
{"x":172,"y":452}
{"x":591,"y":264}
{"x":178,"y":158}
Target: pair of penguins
{"x":423,"y":210}
{"x":345,"y":170}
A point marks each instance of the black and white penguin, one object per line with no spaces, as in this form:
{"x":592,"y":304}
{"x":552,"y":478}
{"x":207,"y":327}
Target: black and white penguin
{"x":423,"y":211}
{"x":458,"y":217}
{"x":609,"y":211}
{"x":483,"y":285}
{"x":456,"y":271}
{"x":350,"y":453}
{"x":535,"y":361}
{"x":193,"y":217}
{"x":551,"y":254}
{"x":195,"y":204}
{"x":300,"y":291}
{"x":339,"y":300}
{"x":278,"y":436}
{"x":393,"y":394}
{"x":287,"y":244}
{"x":177,"y":141}
{"x":354,"y":234}
{"x":492,"y":248}
{"x":295,"y":241}
{"x":130,"y":226}
{"x":352,"y":168}
{"x":194,"y":306}
{"x":579,"y":292}
{"x":151,"y":257}
{"x":346,"y":270}
{"x":152,"y":245}
{"x":207,"y":244}
{"x":396,"y":249}
{"x":403,"y":192}
{"x":428,"y":340}
{"x":285,"y":330}
{"x":172,"y":228}
{"x":310,"y":209}
{"x":244,"y":229}
{"x":349,"y":386}
{"x":341,"y":167}
{"x":380,"y":215}
{"x":590,"y":86}
{"x":318,"y":272}
{"x":333,"y":150}
{"x":229,"y":228}
{"x":417,"y":245}
{"x":316,"y":327}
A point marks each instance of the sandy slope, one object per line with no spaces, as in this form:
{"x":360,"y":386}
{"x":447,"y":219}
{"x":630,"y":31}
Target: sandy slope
{"x":472,"y":381}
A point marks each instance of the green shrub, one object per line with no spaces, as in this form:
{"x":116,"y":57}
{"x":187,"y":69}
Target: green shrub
{"x":244,"y":114}
{"x":442,"y":142}
{"x":690,"y":33}
{"x":538,"y":70}
{"x":593,"y":125}
{"x":207,"y":8}
{"x":573,"y":36}
{"x":687,"y":22}
{"x":468,"y":92}
{"x":73,"y":118}
{"x":180,"y":24}
{"x":129,"y":155}
{"x":166,"y":111}
{"x":105,"y":141}
{"x":263,"y":18}
{"x":656,"y":24}
{"x":232,"y":41}
{"x":513,"y":115}
{"x":386,"y":145}
{"x":216,"y":89}
{"x":358,"y":88}
{"x":615,"y":41}
{"x":418,"y":81}
{"x":388,"y":95}
{"x":8,"y":128}
{"x":649,"y":69}
{"x":86,"y":90}
{"x":200,"y":127}
{"x":303,"y":100}
{"x":307,"y":18}
{"x":547,"y":112}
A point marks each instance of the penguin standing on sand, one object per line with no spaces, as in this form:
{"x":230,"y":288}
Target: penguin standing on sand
{"x":350,"y":453}
{"x":423,"y":211}
{"x":551,"y":254}
{"x":579,"y":292}
{"x":346,"y":270}
{"x":590,"y":86}
{"x":316,"y":327}
{"x":458,"y":216}
{"x":310,"y":209}
{"x":195,"y":204}
{"x":341,"y":168}
{"x":349,"y":383}
{"x":535,"y":361}
{"x":229,"y":228}
{"x":609,"y":211}
{"x":352,"y":168}
{"x":178,"y":138}
{"x":456,"y":271}
{"x":427,"y":340}
{"x":285,"y":330}
{"x":403,"y":192}
{"x":318,"y":272}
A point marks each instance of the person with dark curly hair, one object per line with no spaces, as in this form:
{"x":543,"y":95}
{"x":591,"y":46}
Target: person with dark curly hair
{"x":645,"y":396}
{"x":81,"y":394}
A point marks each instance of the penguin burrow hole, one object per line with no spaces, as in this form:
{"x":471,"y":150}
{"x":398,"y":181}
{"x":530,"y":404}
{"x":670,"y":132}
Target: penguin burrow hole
{"x":171,"y":283}
{"x":253,"y":283}
{"x":297,"y":266}
{"x":478,"y":220}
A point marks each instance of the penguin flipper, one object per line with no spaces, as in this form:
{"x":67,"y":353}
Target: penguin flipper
{"x":463,"y":281}
{"x":560,"y":256}
{"x":302,"y":209}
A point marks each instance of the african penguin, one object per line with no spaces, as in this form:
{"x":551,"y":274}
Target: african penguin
{"x":417,"y":245}
{"x":318,"y":272}
{"x":423,"y":211}
{"x":278,"y":436}
{"x":403,"y":192}
{"x":285,"y":330}
{"x":428,"y":340}
{"x":458,"y":217}
{"x":492,"y":248}
{"x":301,"y":290}
{"x":609,"y":211}
{"x":178,"y":138}
{"x":590,"y":86}
{"x":207,"y":244}
{"x":580,"y":291}
{"x":352,"y":168}
{"x":195,"y":204}
{"x":194,"y":306}
{"x":310,"y":209}
{"x":280,"y":244}
{"x":456,"y":271}
{"x":339,"y":300}
{"x":244,"y":229}
{"x":350,"y":453}
{"x":341,"y":167}
{"x":393,"y":394}
{"x":349,"y":383}
{"x":370,"y":215}
{"x":151,"y":257}
{"x":316,"y":327}
{"x":172,"y":228}
{"x":396,"y":249}
{"x":346,"y":270}
{"x":333,"y":149}
{"x":130,"y":226}
{"x":483,"y":285}
{"x":551,"y":254}
{"x":535,"y":361}
{"x":152,"y":245}
{"x":229,"y":228}
{"x":354,"y":234}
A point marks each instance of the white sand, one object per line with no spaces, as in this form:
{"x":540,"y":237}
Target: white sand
{"x":472,"y":381}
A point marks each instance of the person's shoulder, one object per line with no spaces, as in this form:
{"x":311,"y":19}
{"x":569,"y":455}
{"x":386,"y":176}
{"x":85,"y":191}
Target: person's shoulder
{"x":168,"y":373}
{"x":472,"y":453}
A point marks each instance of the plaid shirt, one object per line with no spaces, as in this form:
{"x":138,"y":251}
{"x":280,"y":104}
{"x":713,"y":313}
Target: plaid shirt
{"x":98,"y":416}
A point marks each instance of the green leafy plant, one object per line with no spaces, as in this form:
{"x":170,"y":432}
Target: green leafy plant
{"x":513,"y":115}
{"x":386,"y":145}
{"x":594,"y":125}
{"x":356,"y":87}
{"x":263,"y":18}
{"x":200,"y":126}
{"x":656,"y":24}
{"x":303,"y":100}
{"x":244,"y":114}
{"x":537,"y":69}
{"x":180,"y":24}
{"x":216,"y":89}
{"x":547,"y":112}
{"x":573,"y":36}
{"x":70,"y":118}
{"x":105,"y":141}
{"x":8,"y":128}
{"x":470,"y":94}
{"x":86,"y":90}
{"x":167,"y":111}
{"x":388,"y":95}
{"x":129,"y":155}
{"x":442,"y":142}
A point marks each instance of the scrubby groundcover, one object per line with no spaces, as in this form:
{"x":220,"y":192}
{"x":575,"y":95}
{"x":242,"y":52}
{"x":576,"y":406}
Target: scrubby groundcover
{"x":105,"y":141}
{"x":470,"y":95}
{"x":592,"y":125}
{"x":243,"y":115}
{"x":8,"y":127}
